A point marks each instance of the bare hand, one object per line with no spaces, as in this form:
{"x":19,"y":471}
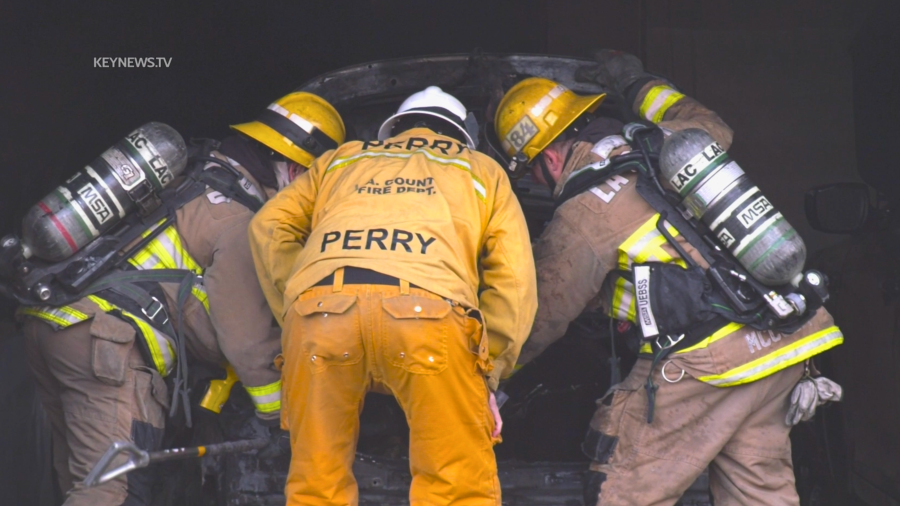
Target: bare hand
{"x":498,"y":421}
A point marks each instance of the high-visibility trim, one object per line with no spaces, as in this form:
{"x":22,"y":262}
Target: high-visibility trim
{"x":644,"y":245}
{"x":547,"y":99}
{"x":779,"y":359}
{"x":719,"y":334}
{"x":459,"y":163}
{"x":623,"y":304}
{"x":658,"y":100}
{"x":61,"y":317}
{"x":266,"y":398}
{"x":167,"y":251}
{"x":199,"y":292}
{"x":295,"y":119}
{"x":646,"y":348}
{"x":161,"y":351}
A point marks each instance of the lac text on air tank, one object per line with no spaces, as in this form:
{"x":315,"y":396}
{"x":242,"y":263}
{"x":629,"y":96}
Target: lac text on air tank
{"x":715,"y":190}
{"x":94,"y":199}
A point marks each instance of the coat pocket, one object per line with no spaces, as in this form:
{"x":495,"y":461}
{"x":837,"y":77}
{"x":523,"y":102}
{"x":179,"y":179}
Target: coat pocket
{"x":329,"y":333}
{"x":415,"y":333}
{"x":111,"y":344}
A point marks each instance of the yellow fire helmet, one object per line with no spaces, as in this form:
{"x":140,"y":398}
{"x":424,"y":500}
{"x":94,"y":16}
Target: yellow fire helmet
{"x":300,"y":126}
{"x":536,"y":111}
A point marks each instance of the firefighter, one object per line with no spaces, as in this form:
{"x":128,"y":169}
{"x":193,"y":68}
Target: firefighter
{"x":101,"y":364}
{"x":400,"y":265}
{"x":723,"y":394}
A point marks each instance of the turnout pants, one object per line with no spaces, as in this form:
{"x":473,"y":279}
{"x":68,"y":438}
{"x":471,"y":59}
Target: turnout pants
{"x":96,"y":389}
{"x":342,"y":341}
{"x":739,"y":432}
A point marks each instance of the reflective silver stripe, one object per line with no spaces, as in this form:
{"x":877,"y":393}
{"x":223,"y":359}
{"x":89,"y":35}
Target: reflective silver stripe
{"x":777,"y":360}
{"x":266,"y":399}
{"x":58,"y":317}
{"x":655,"y":110}
{"x":165,"y":350}
{"x":547,"y":99}
{"x":373,"y":154}
{"x":730,"y":209}
{"x":716,"y":186}
{"x":297,"y":120}
{"x":756,"y":233}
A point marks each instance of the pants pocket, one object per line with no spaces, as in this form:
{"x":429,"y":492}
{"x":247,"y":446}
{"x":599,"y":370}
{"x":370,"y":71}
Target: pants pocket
{"x":111,"y":344}
{"x":602,"y":437}
{"x":415,"y":333}
{"x":151,"y":397}
{"x":328,"y":331}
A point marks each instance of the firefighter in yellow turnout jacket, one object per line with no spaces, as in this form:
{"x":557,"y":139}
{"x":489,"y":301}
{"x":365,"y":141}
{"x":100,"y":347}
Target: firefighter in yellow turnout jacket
{"x":401,"y":265}
{"x":721,"y":402}
{"x":101,"y":369}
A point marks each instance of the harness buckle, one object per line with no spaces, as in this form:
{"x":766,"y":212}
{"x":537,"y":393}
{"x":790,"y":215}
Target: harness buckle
{"x":671,"y":342}
{"x":154,"y":310}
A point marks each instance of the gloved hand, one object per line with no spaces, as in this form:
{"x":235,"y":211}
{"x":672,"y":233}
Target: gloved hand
{"x":617,"y":70}
{"x":279,"y":444}
{"x":809,"y":394}
{"x":267,"y":426}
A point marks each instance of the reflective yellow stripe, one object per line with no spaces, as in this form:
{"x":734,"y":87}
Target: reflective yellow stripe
{"x":658,"y":100}
{"x":199,"y":292}
{"x":622,"y":306}
{"x":719,"y":334}
{"x":459,"y":163}
{"x":167,"y":251}
{"x":161,"y":351}
{"x":62,"y":317}
{"x":646,"y":348}
{"x":779,"y":359}
{"x":644,"y":245}
{"x":266,"y":398}
{"x":44,"y":315}
{"x":152,"y":344}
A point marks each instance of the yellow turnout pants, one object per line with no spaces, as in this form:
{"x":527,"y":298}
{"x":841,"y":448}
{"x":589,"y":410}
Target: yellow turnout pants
{"x":342,"y":341}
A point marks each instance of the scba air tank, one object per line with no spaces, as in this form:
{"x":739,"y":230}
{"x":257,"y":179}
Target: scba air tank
{"x":716,"y":190}
{"x":94,"y":199}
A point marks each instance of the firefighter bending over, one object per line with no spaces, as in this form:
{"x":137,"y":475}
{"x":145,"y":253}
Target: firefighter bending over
{"x":402,"y":266}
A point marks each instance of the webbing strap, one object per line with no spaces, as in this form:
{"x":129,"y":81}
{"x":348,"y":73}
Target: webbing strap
{"x":124,"y":283}
{"x":225,"y":179}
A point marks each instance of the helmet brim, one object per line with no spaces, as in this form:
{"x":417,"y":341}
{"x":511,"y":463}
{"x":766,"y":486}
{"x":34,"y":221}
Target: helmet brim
{"x":581,"y":105}
{"x":385,"y":131}
{"x":266,"y":135}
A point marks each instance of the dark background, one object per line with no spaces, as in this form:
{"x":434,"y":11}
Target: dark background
{"x":811,"y":88}
{"x":785,"y":75}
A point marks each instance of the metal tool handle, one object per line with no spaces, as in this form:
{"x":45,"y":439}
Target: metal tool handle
{"x":137,"y":458}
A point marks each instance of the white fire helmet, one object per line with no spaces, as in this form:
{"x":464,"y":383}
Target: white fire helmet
{"x":433,"y":101}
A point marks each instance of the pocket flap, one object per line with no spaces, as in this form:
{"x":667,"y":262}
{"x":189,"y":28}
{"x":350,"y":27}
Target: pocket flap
{"x":336,"y":303}
{"x":411,"y":306}
{"x":110,"y":328}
